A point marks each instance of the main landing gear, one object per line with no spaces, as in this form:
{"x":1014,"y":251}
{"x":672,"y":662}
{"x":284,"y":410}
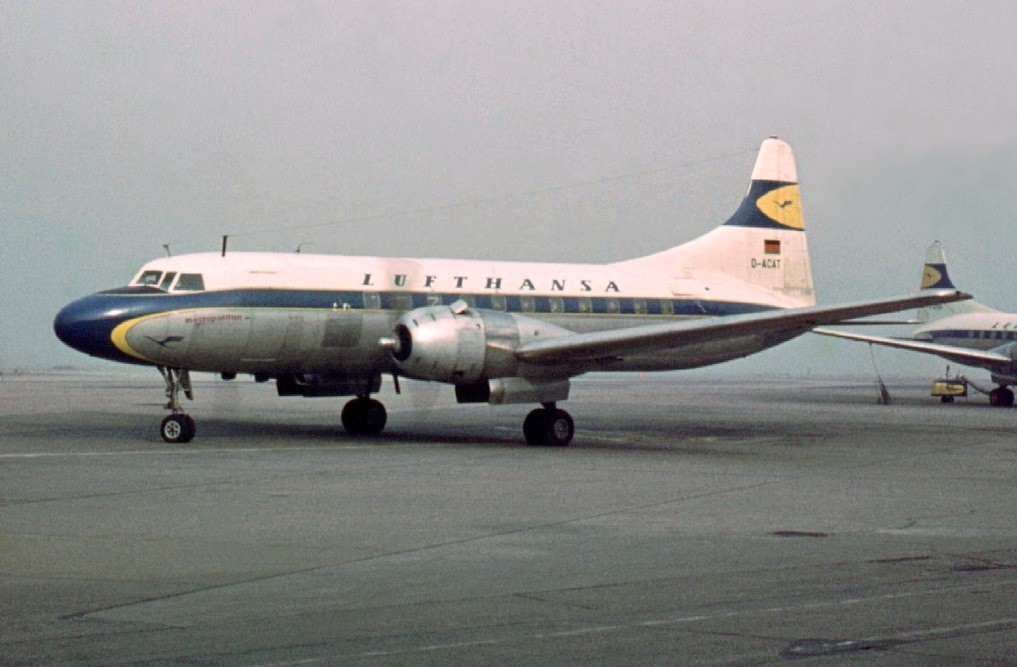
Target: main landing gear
{"x":1001,"y":397}
{"x":364,"y":416}
{"x":177,"y":427}
{"x":549,"y":426}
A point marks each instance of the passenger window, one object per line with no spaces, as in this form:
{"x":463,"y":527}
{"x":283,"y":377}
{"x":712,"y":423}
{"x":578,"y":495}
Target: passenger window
{"x":584,"y":305}
{"x":667,"y":307}
{"x":149,"y":278}
{"x":497,"y":302}
{"x":372,"y":301}
{"x":402,"y":301}
{"x":612,"y":306}
{"x":526,"y":304}
{"x":639,"y":306}
{"x":190,"y":282}
{"x":557,"y":306}
{"x":167,"y":281}
{"x":434,"y":299}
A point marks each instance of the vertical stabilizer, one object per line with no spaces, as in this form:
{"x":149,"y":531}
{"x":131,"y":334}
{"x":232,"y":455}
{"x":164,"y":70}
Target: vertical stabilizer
{"x":934,"y":274}
{"x":762,"y":244}
{"x":936,"y":277}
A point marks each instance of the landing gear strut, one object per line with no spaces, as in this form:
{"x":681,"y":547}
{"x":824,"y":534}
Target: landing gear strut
{"x":177,"y":427}
{"x":364,"y":416}
{"x":549,"y":426}
{"x":1001,"y":397}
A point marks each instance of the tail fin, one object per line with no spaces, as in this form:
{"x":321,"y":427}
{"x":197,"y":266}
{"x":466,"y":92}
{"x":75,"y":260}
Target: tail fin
{"x":935,"y":277}
{"x":763,"y":244}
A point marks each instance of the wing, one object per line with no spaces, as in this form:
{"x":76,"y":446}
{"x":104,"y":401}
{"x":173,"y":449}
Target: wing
{"x":787,"y":323}
{"x":960,"y":355}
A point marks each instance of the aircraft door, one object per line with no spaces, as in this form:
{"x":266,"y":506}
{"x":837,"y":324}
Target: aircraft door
{"x":289,"y":353}
{"x":217,"y":338}
{"x":268,"y":328}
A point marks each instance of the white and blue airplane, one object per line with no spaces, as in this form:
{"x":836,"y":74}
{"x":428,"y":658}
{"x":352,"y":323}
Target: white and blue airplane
{"x":967,"y":332}
{"x":500,"y":332}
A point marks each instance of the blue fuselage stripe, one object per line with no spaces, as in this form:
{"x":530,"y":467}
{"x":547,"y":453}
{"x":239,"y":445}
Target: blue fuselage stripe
{"x":87,"y":324}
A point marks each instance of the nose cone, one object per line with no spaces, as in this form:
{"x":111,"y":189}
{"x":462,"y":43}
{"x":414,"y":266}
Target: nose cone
{"x":87,"y":324}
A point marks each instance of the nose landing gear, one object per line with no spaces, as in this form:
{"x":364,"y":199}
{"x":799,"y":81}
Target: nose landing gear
{"x":177,"y":427}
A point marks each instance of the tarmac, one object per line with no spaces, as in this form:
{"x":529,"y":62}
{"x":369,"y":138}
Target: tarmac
{"x":691,"y":522}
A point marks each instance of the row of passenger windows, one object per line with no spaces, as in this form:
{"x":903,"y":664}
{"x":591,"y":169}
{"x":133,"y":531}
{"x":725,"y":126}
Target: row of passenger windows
{"x":982,"y":335}
{"x":186,"y":282}
{"x":401,"y":301}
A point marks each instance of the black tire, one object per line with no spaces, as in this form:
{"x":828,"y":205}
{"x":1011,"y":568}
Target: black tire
{"x":1001,"y":397}
{"x":352,"y":417}
{"x":374,"y":417}
{"x":533,"y":427}
{"x":558,"y":428}
{"x":946,"y":399}
{"x":364,"y":416}
{"x":177,"y":429}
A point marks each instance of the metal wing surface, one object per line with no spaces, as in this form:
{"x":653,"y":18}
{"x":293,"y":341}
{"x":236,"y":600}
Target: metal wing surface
{"x":789,"y":322}
{"x":960,"y":355}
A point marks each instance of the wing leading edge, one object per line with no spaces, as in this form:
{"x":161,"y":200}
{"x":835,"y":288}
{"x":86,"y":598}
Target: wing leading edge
{"x":960,"y":355}
{"x":641,"y":340}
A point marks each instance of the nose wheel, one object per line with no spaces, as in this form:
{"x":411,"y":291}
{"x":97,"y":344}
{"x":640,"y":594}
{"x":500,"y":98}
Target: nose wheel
{"x":549,"y":426}
{"x":177,"y":427}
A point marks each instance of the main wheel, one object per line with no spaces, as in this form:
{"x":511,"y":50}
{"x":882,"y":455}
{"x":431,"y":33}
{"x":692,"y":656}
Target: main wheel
{"x":548,"y":426}
{"x":178,"y":428}
{"x":364,"y":416}
{"x":374,"y":417}
{"x":1001,"y":397}
{"x":946,"y":399}
{"x":533,"y":426}
{"x":558,"y":428}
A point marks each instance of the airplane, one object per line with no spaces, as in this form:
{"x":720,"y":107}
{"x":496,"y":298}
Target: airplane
{"x":499,"y":332}
{"x":967,"y":332}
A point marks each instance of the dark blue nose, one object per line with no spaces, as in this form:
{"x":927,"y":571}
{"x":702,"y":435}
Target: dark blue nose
{"x":87,"y":324}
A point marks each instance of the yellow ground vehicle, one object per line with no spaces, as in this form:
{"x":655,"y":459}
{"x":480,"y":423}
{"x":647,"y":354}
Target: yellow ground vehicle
{"x":949,"y":388}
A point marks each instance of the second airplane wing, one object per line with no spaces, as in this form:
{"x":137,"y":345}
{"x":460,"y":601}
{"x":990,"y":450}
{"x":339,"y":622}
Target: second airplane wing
{"x":960,"y":355}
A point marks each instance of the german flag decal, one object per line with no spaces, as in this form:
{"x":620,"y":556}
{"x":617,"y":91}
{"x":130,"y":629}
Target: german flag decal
{"x":771,"y":247}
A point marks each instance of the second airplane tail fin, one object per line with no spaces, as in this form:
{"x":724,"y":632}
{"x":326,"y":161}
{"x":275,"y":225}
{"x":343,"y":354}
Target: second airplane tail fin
{"x":936,"y":277}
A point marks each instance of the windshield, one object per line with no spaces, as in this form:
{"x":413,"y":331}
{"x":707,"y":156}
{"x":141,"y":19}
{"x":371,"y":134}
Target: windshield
{"x":149,"y":278}
{"x":191,"y":282}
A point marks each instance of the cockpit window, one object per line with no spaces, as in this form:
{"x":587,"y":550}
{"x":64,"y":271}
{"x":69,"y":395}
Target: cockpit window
{"x":149,"y":278}
{"x":167,"y":280}
{"x":191,"y":282}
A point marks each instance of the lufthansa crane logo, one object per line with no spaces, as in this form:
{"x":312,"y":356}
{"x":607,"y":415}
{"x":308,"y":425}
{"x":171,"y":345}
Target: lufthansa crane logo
{"x":783,"y":206}
{"x":930,"y":277}
{"x":165,"y":342}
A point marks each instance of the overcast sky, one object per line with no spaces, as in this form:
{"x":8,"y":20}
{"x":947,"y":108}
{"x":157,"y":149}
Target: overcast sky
{"x":124,"y":126}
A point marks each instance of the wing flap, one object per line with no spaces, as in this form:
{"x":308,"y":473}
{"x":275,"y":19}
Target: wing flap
{"x":640,"y":340}
{"x":960,"y":355}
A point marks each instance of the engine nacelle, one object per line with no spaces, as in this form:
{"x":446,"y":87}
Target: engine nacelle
{"x":462,"y":345}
